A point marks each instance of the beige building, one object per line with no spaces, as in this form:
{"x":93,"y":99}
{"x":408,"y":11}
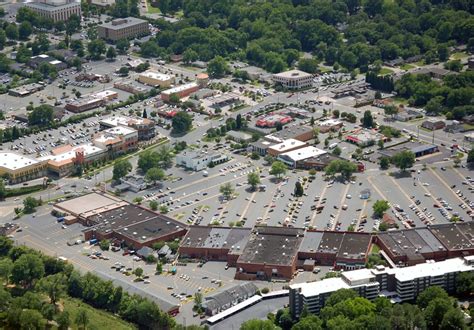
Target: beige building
{"x":293,"y":79}
{"x":153,"y":78}
{"x":123,"y":28}
{"x":56,"y":10}
{"x":18,"y":168}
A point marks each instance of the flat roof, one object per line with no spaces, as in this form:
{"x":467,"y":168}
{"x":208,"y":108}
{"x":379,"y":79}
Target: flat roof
{"x":156,"y":75}
{"x":13,"y":161}
{"x":124,"y":121}
{"x":180,"y":88}
{"x":455,"y":236}
{"x":290,"y":131}
{"x":432,"y":269}
{"x":235,"y":239}
{"x":321,"y":287}
{"x":68,"y":152}
{"x":412,"y":146}
{"x":127,"y":22}
{"x":51,"y":6}
{"x":330,"y":122}
{"x":303,"y":153}
{"x":229,"y":311}
{"x":88,"y":203}
{"x":293,"y":74}
{"x":272,"y":246}
{"x":287,"y":145}
{"x":410,"y":242}
{"x":134,"y":222}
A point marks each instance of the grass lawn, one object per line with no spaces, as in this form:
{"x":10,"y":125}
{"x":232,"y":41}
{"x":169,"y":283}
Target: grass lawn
{"x":325,"y":69}
{"x":375,"y":248}
{"x":420,"y":63}
{"x":152,"y":10}
{"x":385,"y":71}
{"x":400,"y":100}
{"x":468,"y":127}
{"x":97,"y":319}
{"x":407,"y":67}
{"x":458,"y":56}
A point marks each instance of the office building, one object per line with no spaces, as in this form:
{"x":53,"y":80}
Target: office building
{"x":123,"y":28}
{"x":293,"y":79}
{"x":180,"y":91}
{"x":55,"y":10}
{"x":155,"y":79}
{"x":144,"y":126}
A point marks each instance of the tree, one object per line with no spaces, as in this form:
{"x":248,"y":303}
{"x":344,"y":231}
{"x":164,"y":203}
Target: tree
{"x":278,"y":169}
{"x":368,"y":120}
{"x":122,"y":46}
{"x":435,"y":312}
{"x":153,"y":205}
{"x":344,"y":167}
{"x":464,"y":283}
{"x":25,"y":30}
{"x":253,"y":179}
{"x":123,"y":71}
{"x":379,"y":207}
{"x":403,"y":160}
{"x":111,"y":53}
{"x":12,"y":31}
{"x":27,"y":269}
{"x":453,"y":319}
{"x":165,"y":156}
{"x":182,"y":122}
{"x":227,"y":190}
{"x":430,"y":294}
{"x":154,"y":174}
{"x":31,"y":319}
{"x":82,"y":318}
{"x":311,"y":322}
{"x":380,"y":144}
{"x":159,"y":268}
{"x":63,"y":320}
{"x":6,"y":266}
{"x":238,"y":122}
{"x":138,"y":272}
{"x":41,"y":115}
{"x":189,"y":56}
{"x":298,"y":191}
{"x":121,"y":169}
{"x":198,"y":299}
{"x":258,"y":325}
{"x":309,"y":65}
{"x":30,"y":204}
{"x":54,"y":286}
{"x":217,"y":67}
{"x":104,"y":245}
{"x":96,"y":48}
{"x":470,"y":156}
{"x":384,"y":163}
{"x":337,"y":151}
{"x":163,"y":209}
{"x":335,"y":113}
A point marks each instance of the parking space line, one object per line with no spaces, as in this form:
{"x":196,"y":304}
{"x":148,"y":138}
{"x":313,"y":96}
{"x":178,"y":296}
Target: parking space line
{"x":311,"y":223}
{"x":336,"y":218}
{"x":449,"y":188}
{"x":244,"y":212}
{"x":410,"y":200}
{"x":361,"y":213}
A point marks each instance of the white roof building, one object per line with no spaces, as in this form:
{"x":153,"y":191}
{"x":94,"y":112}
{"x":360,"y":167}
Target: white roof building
{"x":294,"y":156}
{"x":12,"y":161}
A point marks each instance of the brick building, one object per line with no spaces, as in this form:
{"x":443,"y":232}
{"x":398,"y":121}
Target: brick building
{"x":123,"y":28}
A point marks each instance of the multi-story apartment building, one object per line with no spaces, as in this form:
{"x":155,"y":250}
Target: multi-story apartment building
{"x":56,"y":10}
{"x":123,"y":28}
{"x":398,"y":284}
